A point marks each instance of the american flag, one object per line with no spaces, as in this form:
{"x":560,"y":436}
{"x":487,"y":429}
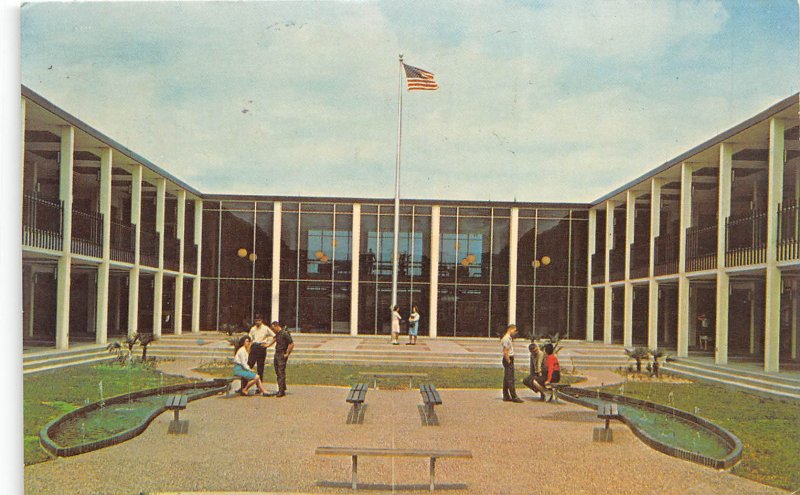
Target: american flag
{"x":419,"y":79}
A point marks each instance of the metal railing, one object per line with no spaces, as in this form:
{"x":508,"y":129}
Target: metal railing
{"x":123,"y":241}
{"x":148,"y":247}
{"x":666,"y":254}
{"x":190,"y":258}
{"x":172,"y":253}
{"x":640,"y":259}
{"x":599,"y":267}
{"x":87,"y":233}
{"x":746,"y":239}
{"x":788,"y":231}
{"x":616,"y":261}
{"x":701,"y":248}
{"x":42,"y":222}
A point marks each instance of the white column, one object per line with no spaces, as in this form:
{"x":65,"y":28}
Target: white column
{"x":103,"y":271}
{"x":277,"y":214}
{"x":630,"y":216}
{"x":30,"y":286}
{"x":683,"y":281}
{"x":723,"y":279}
{"x":753,"y":318}
{"x":794,"y":318}
{"x":652,"y":289}
{"x":772,"y":326}
{"x":198,"y":239}
{"x":592,"y":246}
{"x":607,"y":300}
{"x":158,"y":286}
{"x":433,"y":308}
{"x":180,"y":228}
{"x":133,"y":277}
{"x":356,"y":268}
{"x":513,"y":241}
{"x":64,"y":270}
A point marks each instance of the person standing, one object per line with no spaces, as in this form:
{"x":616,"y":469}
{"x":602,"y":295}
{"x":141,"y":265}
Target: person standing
{"x":396,"y":324}
{"x":537,"y":357}
{"x":413,"y":325}
{"x":283,"y":348}
{"x":507,"y":345}
{"x":261,"y":335}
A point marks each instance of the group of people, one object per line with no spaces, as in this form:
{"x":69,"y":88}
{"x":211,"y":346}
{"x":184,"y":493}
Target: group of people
{"x":413,"y":325}
{"x":544,"y":370}
{"x":251,"y":350}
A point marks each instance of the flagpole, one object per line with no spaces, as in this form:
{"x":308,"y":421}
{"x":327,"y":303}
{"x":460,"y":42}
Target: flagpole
{"x":397,"y":184}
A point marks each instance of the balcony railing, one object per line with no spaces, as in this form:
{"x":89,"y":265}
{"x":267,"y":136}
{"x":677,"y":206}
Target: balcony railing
{"x":148,"y":247}
{"x":746,"y":239}
{"x":87,"y":233}
{"x":190,"y":258}
{"x":788,"y":231}
{"x":599,"y":267}
{"x":701,"y":248}
{"x":640,"y":259}
{"x":172,"y":253}
{"x":666,"y":254}
{"x":42,"y":221}
{"x":123,"y":241}
{"x":617,"y":263}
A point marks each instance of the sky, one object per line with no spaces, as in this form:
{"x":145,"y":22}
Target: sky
{"x":537,"y":101}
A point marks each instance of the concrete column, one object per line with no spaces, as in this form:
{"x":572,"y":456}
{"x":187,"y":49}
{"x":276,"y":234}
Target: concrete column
{"x":158,"y":286}
{"x":133,"y":277}
{"x":64,"y":271}
{"x":794,"y":319}
{"x":772,"y":305}
{"x":30,"y":286}
{"x":630,"y":218}
{"x":103,"y":271}
{"x":198,"y":239}
{"x":753,"y":318}
{"x":592,"y":246}
{"x":607,"y":310}
{"x":723,"y":279}
{"x":434,"y":273}
{"x":180,"y":228}
{"x":513,"y":241}
{"x":277,"y":215}
{"x":683,"y":281}
{"x":652,"y":289}
{"x":355,"y":270}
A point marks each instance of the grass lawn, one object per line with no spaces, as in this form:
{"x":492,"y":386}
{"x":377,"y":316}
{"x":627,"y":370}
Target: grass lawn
{"x":50,"y":394}
{"x":768,"y":428}
{"x":347,"y":375}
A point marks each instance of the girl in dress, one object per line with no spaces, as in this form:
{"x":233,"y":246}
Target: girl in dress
{"x":241,"y":368}
{"x":413,"y":325}
{"x":395,"y":324}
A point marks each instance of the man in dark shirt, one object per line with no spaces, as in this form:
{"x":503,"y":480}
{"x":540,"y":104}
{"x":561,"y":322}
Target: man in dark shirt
{"x":283,"y":347}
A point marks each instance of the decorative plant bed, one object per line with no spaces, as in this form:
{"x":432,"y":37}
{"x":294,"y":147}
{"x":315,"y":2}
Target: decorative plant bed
{"x":116,"y":419}
{"x":668,"y":430}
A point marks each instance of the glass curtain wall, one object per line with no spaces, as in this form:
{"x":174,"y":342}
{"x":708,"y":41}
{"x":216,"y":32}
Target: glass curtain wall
{"x":551,"y":273}
{"x":375,"y":266}
{"x":316,"y":266}
{"x":236,"y":262}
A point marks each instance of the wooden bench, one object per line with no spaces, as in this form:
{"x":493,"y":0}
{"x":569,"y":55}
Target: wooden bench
{"x":556,"y":388}
{"x":356,"y":397}
{"x":606,"y":412}
{"x":430,"y":398}
{"x":377,"y":452}
{"x":375,"y":375}
{"x":176,"y":404}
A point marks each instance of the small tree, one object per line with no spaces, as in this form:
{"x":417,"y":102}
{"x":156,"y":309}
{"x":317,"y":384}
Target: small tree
{"x":657,"y":354}
{"x":145,"y":339}
{"x":638,"y":354}
{"x":123,"y":349}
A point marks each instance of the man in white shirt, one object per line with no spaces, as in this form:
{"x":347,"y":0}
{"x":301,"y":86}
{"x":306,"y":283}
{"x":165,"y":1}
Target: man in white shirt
{"x":262,"y":337}
{"x":507,"y":344}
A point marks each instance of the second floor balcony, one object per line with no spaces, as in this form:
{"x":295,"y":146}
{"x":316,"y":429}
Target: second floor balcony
{"x":190,"y":258}
{"x":746,"y":239}
{"x":617,"y":263}
{"x":87,"y":233}
{"x":701,"y":248}
{"x":788,"y":231}
{"x":599,"y":267}
{"x":123,"y":241}
{"x":172,"y":253}
{"x":666,"y":254}
{"x":148,"y":247}
{"x":640,"y":259}
{"x":42,"y":222}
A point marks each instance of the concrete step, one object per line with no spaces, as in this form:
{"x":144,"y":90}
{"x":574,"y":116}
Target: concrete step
{"x":754,"y":374}
{"x":734,"y":379}
{"x":51,"y":366}
{"x":62,"y":358}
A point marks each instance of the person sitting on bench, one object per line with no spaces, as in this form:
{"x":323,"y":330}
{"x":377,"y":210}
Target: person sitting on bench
{"x":551,"y":372}
{"x":242,"y":369}
{"x":537,"y":357}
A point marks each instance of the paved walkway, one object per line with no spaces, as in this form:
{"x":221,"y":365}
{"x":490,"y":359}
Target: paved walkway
{"x":260,"y":444}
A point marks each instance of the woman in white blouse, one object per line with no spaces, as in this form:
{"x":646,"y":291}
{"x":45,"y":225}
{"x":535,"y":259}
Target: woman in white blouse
{"x":241,"y":368}
{"x":396,"y":324}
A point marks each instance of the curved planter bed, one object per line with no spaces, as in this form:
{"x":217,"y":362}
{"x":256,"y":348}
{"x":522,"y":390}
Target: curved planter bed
{"x":734,"y":445}
{"x":202,"y":390}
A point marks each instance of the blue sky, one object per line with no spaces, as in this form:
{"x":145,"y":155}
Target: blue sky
{"x":538,"y":101}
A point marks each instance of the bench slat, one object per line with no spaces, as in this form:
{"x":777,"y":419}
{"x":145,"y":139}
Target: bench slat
{"x":384,"y":452}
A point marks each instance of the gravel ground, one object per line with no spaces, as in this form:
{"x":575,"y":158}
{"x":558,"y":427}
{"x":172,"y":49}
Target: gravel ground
{"x":258,"y":444}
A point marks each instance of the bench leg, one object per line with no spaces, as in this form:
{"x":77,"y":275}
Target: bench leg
{"x":355,"y":472}
{"x":176,"y":413}
{"x":433,"y":471}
